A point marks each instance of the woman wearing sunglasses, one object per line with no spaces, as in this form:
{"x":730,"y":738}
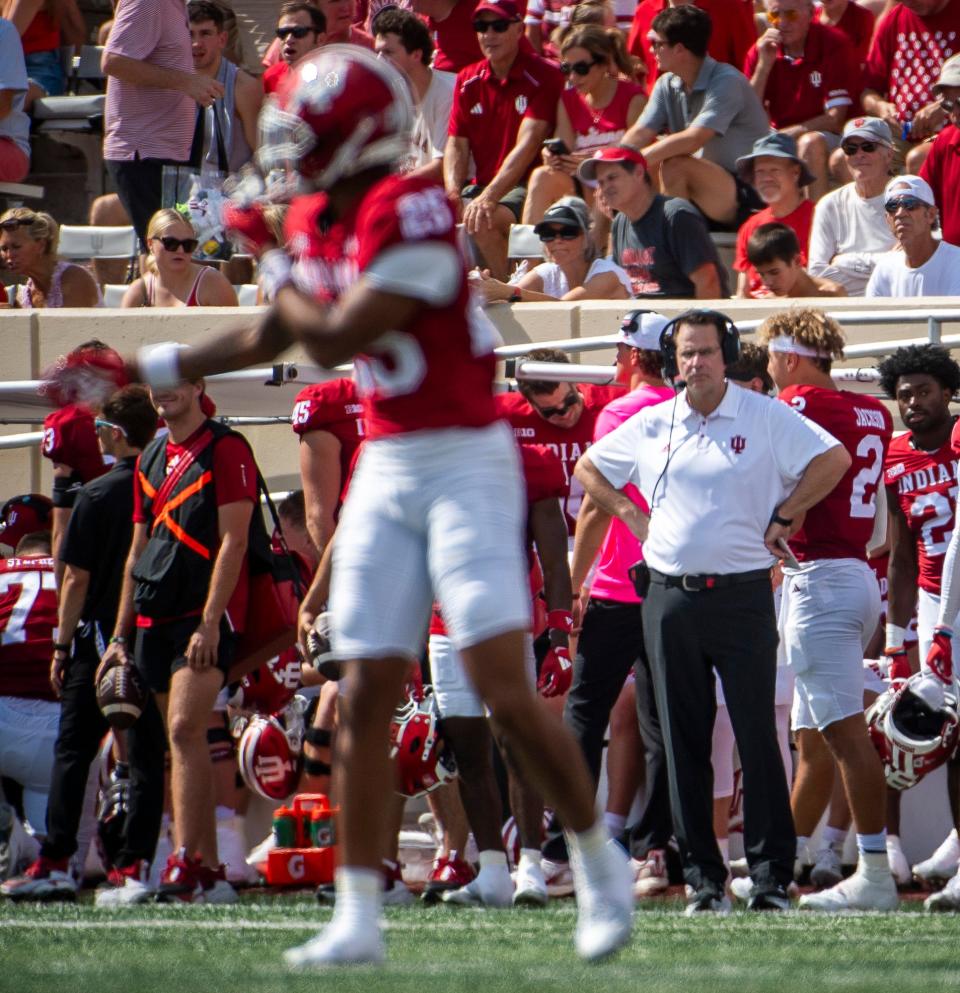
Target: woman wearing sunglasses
{"x":173,"y":279}
{"x":573,"y":270}
{"x":28,"y":249}
{"x":595,"y":110}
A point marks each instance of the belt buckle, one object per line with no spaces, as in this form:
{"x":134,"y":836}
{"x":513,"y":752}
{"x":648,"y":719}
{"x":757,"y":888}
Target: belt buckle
{"x":690,"y":589}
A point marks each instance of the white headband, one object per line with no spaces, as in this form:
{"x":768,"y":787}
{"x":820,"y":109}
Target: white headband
{"x":786,"y":343}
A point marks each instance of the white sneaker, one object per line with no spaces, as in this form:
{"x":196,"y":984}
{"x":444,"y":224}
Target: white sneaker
{"x":232,"y":849}
{"x":338,"y":944}
{"x":398,"y":895}
{"x":604,"y":906}
{"x":126,"y":888}
{"x":488,"y":889}
{"x":899,"y":866}
{"x":947,"y":900}
{"x":650,"y":875}
{"x":827,"y":870}
{"x":942,"y":864}
{"x":13,"y":858}
{"x":708,"y":903}
{"x":219,"y":891}
{"x":257,"y":858}
{"x":740,"y":887}
{"x":530,"y":888}
{"x":864,"y":890}
{"x":558,"y":877}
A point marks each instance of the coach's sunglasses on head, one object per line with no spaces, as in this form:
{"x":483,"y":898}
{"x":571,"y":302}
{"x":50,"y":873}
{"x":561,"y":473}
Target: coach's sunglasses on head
{"x":499,"y":25}
{"x":851,"y":148}
{"x":564,"y":234}
{"x":298,"y":32}
{"x":189,"y":245}
{"x":908,"y":203}
{"x":561,"y":408}
{"x":580,"y":68}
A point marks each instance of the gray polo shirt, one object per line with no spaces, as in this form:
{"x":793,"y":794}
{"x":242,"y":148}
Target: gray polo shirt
{"x":722,"y":99}
{"x":13,"y":76}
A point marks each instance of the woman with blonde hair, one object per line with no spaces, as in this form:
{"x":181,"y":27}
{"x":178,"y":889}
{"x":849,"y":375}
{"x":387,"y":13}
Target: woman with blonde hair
{"x":28,"y":247}
{"x":173,"y":279}
{"x":594,"y":111}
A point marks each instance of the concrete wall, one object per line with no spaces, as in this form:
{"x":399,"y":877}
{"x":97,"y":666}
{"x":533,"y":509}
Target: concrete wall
{"x":33,"y":340}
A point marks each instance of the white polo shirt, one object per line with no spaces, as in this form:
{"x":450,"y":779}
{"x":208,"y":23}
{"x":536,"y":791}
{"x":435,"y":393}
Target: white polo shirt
{"x":727,"y":474}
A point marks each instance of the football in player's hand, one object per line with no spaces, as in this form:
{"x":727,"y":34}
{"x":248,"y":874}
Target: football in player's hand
{"x":121,"y":696}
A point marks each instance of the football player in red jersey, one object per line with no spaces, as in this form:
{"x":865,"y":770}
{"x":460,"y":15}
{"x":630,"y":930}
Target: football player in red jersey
{"x":831,"y":603}
{"x":436,"y":502}
{"x":29,"y":713}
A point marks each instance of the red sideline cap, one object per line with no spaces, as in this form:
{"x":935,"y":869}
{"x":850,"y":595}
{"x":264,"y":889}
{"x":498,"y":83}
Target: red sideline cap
{"x":207,"y":405}
{"x":505,"y":8}
{"x":23,"y":515}
{"x":615,"y":153}
{"x":70,"y":438}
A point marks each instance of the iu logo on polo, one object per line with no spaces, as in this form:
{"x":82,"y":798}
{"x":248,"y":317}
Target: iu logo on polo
{"x":738,"y":443}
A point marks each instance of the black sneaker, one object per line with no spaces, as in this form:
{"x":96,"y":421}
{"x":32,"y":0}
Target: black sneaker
{"x":768,"y":896}
{"x":708,"y":901}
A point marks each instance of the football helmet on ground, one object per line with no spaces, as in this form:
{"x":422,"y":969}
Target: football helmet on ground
{"x":423,"y":759}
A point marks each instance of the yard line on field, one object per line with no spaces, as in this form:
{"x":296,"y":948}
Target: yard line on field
{"x":230,"y":922}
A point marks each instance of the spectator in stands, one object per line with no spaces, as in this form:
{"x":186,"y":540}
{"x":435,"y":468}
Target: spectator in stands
{"x":342,"y":26}
{"x":301,"y":27}
{"x":152,"y":95}
{"x":774,"y":252}
{"x":777,"y":173}
{"x":234,"y":114}
{"x":595,"y":110}
{"x":572,"y":271}
{"x":849,"y":224}
{"x":710,"y":115}
{"x":750,"y":370}
{"x":922,"y":266}
{"x":44,"y":26}
{"x":661,"y":241}
{"x":503,"y":108}
{"x":173,"y":279}
{"x":941,"y":169}
{"x":802,"y":73}
{"x":28,"y":248}
{"x":911,"y":42}
{"x":403,"y":38}
{"x":850,"y":18}
{"x":734,"y":31}
{"x":14,"y":123}
{"x":451,"y":24}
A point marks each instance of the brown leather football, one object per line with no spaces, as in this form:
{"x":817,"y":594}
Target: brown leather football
{"x":121,"y":696}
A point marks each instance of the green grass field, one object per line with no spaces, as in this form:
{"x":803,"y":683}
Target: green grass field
{"x":67,"y":948}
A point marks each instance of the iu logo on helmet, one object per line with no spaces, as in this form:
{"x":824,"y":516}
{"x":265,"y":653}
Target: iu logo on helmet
{"x":738,"y":443}
{"x":272,"y":769}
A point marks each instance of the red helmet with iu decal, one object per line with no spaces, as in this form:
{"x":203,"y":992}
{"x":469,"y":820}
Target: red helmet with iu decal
{"x":269,"y":762}
{"x":339,"y":111}
{"x":423,"y":759}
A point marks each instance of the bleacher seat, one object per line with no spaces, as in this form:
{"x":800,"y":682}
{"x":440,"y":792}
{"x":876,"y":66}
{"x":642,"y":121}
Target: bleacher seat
{"x":80,"y":241}
{"x":13,"y":194}
{"x":247,"y":294}
{"x":113,"y":294}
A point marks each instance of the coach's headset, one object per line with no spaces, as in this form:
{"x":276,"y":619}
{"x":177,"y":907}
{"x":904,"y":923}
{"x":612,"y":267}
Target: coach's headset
{"x":729,"y":341}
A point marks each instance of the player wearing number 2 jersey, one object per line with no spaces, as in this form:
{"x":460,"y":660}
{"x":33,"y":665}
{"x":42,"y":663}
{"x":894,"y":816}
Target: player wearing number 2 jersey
{"x":831,"y":604}
{"x":435,"y":504}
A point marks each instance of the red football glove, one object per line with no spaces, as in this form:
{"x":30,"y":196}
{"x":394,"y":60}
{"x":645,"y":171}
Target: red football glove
{"x":556,"y":673}
{"x":87,"y":376}
{"x":899,"y":663}
{"x":248,"y":225}
{"x":940,"y":656}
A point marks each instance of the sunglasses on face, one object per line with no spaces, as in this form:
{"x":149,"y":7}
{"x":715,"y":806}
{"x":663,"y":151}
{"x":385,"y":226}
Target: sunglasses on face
{"x":776,"y":16}
{"x":908,"y":203}
{"x":852,"y":147}
{"x":565,"y":404}
{"x":100,"y":423}
{"x":564,"y":234}
{"x":580,"y":68}
{"x":298,"y":32}
{"x":499,"y":25}
{"x":16,"y":222}
{"x":189,"y":245}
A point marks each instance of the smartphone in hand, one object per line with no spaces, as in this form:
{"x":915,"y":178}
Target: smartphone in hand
{"x":556,"y":146}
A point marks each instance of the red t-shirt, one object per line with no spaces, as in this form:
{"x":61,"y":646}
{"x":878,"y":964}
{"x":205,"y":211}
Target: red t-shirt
{"x":28,"y":618}
{"x":597,"y":129}
{"x":800,"y":220}
{"x":456,"y":41}
{"x":487,"y":111}
{"x":529,"y":428}
{"x":734,"y":31}
{"x":335,"y":407}
{"x":70,"y":438}
{"x":906,"y":54}
{"x":274,"y":76}
{"x":821,"y":79}
{"x":856,"y":24}
{"x":941,"y":169}
{"x":840,"y":525}
{"x":924,"y":484}
{"x":234,"y":479}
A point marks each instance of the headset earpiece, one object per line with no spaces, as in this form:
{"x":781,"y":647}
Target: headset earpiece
{"x":729,"y":340}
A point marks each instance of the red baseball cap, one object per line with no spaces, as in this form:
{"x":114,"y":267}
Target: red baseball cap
{"x":70,"y":438}
{"x":614,"y":153}
{"x":22,"y":515}
{"x":505,"y":8}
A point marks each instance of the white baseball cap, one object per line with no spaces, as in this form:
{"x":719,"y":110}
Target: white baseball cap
{"x":641,"y":329}
{"x":912,"y":186}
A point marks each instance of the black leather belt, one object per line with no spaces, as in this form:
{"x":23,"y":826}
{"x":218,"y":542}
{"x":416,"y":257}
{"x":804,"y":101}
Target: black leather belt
{"x":697,"y":584}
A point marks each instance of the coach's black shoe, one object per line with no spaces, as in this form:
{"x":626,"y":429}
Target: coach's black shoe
{"x":768,"y":896}
{"x":708,"y":900}
{"x":326,"y":894}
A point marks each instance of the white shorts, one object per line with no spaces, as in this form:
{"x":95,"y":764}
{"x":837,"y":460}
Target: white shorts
{"x":28,"y":732}
{"x":432,"y":515}
{"x":928,"y":612}
{"x":830,"y":611}
{"x":452,"y":688}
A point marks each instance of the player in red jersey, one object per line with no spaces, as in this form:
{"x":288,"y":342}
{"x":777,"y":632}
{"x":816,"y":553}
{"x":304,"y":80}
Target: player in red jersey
{"x":435,"y":505}
{"x":29,"y":714}
{"x":559,"y":415}
{"x":831,"y":603}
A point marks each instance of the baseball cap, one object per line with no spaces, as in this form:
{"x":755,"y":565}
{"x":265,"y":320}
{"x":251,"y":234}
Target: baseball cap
{"x":871,"y":128}
{"x":949,"y":73}
{"x":776,"y":145}
{"x":911,"y":185}
{"x":614,"y":153}
{"x":504,"y":8}
{"x":22,"y":515}
{"x":640,"y":329}
{"x":70,"y":438}
{"x":572,"y":212}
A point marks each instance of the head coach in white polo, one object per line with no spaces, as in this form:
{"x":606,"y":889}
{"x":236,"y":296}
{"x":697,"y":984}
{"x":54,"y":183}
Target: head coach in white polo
{"x":726,"y":474}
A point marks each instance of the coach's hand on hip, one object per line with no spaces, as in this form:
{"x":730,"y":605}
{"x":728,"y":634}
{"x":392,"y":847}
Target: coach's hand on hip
{"x":613,"y":501}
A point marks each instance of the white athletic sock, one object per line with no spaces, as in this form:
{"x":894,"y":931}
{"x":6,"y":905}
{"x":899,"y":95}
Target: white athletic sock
{"x":590,"y":849}
{"x":528,"y":855}
{"x":492,"y":860}
{"x":869,"y":844}
{"x":803,"y":843}
{"x":359,"y":897}
{"x":615,"y":823}
{"x":834,"y":837}
{"x":724,"y":845}
{"x":874,"y":863}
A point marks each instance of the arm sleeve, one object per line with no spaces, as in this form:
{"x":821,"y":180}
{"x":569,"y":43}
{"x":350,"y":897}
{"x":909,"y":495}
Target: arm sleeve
{"x":654,"y":115}
{"x":950,"y":584}
{"x":458,"y":112}
{"x":823,"y":239}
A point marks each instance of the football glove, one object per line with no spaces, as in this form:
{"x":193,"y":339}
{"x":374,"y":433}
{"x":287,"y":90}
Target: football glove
{"x":940,"y":656}
{"x":556,"y":673}
{"x":899,"y":663}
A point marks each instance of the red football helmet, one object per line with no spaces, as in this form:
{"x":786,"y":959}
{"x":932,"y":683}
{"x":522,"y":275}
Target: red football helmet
{"x":272,"y":686}
{"x":339,"y":111}
{"x":22,"y":515}
{"x":912,"y":737}
{"x":423,"y":759}
{"x":269,"y":762}
{"x":87,"y":375}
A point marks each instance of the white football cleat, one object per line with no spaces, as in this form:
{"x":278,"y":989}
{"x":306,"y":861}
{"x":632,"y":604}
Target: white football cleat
{"x":740,"y":888}
{"x":864,"y":890}
{"x":650,"y":874}
{"x":604,"y":907}
{"x":947,"y":900}
{"x":126,"y":887}
{"x":558,"y":877}
{"x":899,"y":866}
{"x":530,"y":888}
{"x":488,"y":889}
{"x":827,"y":870}
{"x":338,"y":944}
{"x":942,"y":864}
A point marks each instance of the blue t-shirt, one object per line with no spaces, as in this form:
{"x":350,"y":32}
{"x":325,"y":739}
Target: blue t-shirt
{"x":13,"y":76}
